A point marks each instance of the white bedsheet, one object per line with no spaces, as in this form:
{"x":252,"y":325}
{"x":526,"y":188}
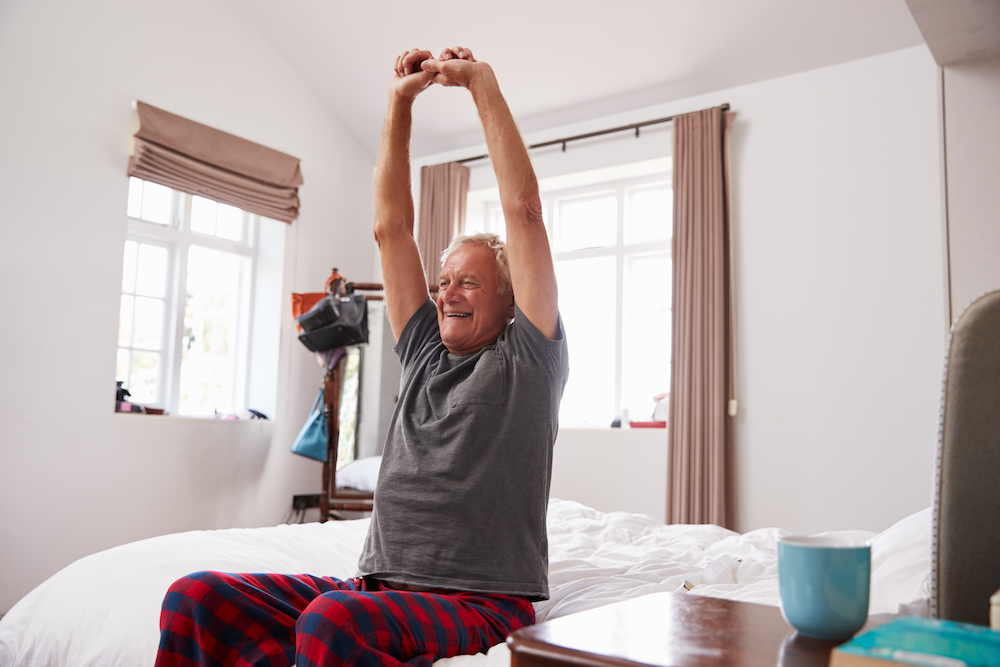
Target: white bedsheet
{"x":104,"y":609}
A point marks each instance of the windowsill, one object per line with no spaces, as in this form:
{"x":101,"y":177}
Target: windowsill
{"x":191,"y":417}
{"x":609,"y":429}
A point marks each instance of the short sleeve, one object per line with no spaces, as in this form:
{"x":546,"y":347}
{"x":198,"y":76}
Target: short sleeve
{"x":420,"y":330}
{"x":530,"y":346}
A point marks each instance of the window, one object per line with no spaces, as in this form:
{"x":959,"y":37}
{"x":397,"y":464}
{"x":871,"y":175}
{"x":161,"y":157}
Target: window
{"x":195,"y":272}
{"x":611,"y":247}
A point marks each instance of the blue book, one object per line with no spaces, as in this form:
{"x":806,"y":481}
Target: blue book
{"x":928,"y":642}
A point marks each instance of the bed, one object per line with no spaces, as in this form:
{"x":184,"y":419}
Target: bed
{"x":104,"y":609}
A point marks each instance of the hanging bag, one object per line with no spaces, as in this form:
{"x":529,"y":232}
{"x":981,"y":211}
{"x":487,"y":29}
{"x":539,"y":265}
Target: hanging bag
{"x":335,"y":321}
{"x":312,"y":439}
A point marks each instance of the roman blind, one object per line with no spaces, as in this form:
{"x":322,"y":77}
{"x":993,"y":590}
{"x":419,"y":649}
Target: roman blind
{"x":201,"y":160}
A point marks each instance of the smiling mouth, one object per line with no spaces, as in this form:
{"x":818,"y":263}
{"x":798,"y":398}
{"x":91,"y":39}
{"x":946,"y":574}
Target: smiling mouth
{"x":458,"y":314}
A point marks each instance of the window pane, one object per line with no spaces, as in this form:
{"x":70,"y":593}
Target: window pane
{"x":230,"y":223}
{"x":650,"y":215}
{"x":152,"y":275}
{"x":216,"y":282}
{"x":647,"y":363}
{"x":156,"y":203}
{"x":646,"y":348}
{"x":148,"y":323}
{"x":250,"y":229}
{"x":589,"y":399}
{"x":203,"y":213}
{"x":128,"y":270}
{"x":125,"y":321}
{"x":134,"y":197}
{"x":142,"y":382}
{"x":121,"y":367}
{"x":587,"y":223}
{"x":497,"y":223}
{"x":648,"y":282}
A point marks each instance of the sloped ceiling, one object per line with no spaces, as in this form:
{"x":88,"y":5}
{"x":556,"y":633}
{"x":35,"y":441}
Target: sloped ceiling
{"x":958,"y":30}
{"x":563,"y":61}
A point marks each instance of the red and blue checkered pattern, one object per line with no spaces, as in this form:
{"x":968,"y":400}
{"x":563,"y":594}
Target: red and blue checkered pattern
{"x":272,"y":620}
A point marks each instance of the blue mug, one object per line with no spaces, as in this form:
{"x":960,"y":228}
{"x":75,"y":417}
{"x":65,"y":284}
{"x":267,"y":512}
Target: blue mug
{"x":824,"y":584}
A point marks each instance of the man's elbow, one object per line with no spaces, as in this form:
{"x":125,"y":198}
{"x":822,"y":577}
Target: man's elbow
{"x":389,"y":223}
{"x":527,"y":209}
{"x":387,"y":228}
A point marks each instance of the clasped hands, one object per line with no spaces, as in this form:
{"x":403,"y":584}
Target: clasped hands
{"x":415,"y":70}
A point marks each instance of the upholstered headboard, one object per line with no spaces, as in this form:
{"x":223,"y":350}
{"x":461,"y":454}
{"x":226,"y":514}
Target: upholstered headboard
{"x":965,"y":567}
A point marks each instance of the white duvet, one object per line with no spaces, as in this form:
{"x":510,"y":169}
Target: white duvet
{"x":104,"y":609}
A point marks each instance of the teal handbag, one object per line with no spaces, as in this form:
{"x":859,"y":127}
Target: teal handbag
{"x":312,"y":439}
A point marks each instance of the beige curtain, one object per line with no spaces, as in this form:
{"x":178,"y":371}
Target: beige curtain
{"x":443,"y":192}
{"x":194,"y":158}
{"x":700,"y":428}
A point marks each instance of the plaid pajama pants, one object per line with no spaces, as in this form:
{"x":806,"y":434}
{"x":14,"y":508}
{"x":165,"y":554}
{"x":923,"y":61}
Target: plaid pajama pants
{"x":267,"y":620}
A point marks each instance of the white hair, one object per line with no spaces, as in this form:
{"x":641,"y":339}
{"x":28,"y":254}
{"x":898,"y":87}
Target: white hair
{"x":491,"y":242}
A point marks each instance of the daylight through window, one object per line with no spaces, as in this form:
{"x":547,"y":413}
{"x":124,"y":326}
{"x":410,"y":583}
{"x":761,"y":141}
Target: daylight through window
{"x":612,"y":253}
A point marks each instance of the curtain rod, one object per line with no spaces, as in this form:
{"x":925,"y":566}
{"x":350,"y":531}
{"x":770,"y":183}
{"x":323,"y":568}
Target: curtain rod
{"x":577,"y":137}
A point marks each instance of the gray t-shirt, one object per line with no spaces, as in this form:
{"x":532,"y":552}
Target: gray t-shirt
{"x":463,"y":489}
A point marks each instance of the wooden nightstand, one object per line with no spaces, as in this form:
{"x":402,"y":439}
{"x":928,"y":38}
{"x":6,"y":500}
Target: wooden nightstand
{"x":671,"y":630}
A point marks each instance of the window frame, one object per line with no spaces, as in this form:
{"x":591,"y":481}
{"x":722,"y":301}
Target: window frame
{"x":178,"y":237}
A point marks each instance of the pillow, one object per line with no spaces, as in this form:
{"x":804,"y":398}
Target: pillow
{"x":360,"y":474}
{"x":901,"y":567}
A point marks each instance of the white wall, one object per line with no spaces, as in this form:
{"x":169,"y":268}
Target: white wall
{"x":840,"y":303}
{"x":972,"y":118}
{"x":840,"y":294}
{"x":614,"y":470}
{"x":75,"y":477}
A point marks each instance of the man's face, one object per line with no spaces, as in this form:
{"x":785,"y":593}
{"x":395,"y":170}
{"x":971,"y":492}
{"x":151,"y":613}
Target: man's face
{"x":471,"y":311}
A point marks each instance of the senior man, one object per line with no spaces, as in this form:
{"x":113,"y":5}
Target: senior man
{"x":457,"y":548}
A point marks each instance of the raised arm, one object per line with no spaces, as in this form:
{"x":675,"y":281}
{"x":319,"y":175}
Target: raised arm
{"x":402,"y":271}
{"x":532,"y":274}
